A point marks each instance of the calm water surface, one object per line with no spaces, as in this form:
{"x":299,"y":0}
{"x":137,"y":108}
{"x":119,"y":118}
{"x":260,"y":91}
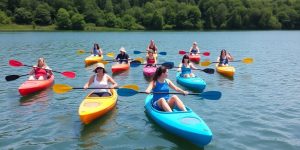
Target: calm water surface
{"x":259,"y":108}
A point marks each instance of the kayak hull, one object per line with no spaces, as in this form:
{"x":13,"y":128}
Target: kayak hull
{"x":149,"y":71}
{"x":92,"y":108}
{"x":116,"y":68}
{"x":31,"y":86}
{"x":225,"y":70}
{"x":93,"y":59}
{"x":194,"y":58}
{"x":187,"y":125}
{"x":195,"y":83}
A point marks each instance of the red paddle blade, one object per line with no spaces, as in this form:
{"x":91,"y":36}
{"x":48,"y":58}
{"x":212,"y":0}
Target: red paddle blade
{"x":15,"y":63}
{"x":182,"y":52}
{"x":69,"y":74}
{"x":206,"y":53}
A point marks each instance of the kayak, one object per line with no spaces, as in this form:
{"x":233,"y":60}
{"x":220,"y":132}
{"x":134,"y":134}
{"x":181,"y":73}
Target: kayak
{"x":92,"y":108}
{"x":93,"y":59}
{"x":187,"y":125}
{"x":149,"y":71}
{"x":226,"y":70}
{"x":31,"y":86}
{"x":194,"y":83}
{"x":194,"y":58}
{"x":119,"y":67}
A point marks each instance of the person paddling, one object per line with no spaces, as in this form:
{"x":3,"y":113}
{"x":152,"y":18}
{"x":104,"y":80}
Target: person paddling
{"x":186,"y":67}
{"x":151,"y":60}
{"x":97,"y":50}
{"x":122,"y":57}
{"x":152,"y":46}
{"x":194,"y":50}
{"x":40,"y":71}
{"x":224,"y":58}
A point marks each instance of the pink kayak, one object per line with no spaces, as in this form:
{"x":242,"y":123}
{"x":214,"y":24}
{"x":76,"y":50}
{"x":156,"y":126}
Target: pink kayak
{"x":195,"y":58}
{"x":149,"y":71}
{"x":31,"y":86}
{"x":119,"y":68}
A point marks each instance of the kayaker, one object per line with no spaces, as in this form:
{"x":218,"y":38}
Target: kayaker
{"x":152,"y":46}
{"x":100,"y":80}
{"x":151,"y":60}
{"x":96,"y":50}
{"x":186,"y":67}
{"x":224,"y":58}
{"x":122,"y":57}
{"x":160,"y":83}
{"x":40,"y":71}
{"x":194,"y":50}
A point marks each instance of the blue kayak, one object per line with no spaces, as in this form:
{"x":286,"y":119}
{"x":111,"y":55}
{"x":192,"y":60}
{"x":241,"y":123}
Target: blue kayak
{"x":187,"y":125}
{"x":195,"y":83}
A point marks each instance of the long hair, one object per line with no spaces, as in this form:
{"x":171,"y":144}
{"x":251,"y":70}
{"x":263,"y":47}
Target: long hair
{"x":158,"y":72}
{"x":185,"y":57}
{"x":42,"y":60}
{"x":223,"y":50}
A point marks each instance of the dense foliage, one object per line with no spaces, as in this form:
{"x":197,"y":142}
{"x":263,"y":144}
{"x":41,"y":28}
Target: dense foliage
{"x":154,"y":14}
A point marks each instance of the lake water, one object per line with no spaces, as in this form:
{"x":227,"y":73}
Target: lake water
{"x":259,"y":108}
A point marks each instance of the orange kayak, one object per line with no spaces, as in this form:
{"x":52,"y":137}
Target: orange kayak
{"x":92,"y":108}
{"x":226,"y":70}
{"x":194,"y":58}
{"x":119,"y":68}
{"x":92,"y":59}
{"x":31,"y":86}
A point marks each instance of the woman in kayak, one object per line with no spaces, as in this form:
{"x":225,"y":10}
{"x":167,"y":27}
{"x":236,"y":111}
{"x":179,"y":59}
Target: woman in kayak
{"x":40,"y":71}
{"x":100,"y":80}
{"x":152,"y":46}
{"x":151,"y":60}
{"x":224,"y":58}
{"x":96,"y":50}
{"x":160,"y":83}
{"x":186,"y":67}
{"x":194,"y":50}
{"x":122,"y":57}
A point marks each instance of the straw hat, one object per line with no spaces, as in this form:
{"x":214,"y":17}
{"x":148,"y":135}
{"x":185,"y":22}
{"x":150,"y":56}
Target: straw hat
{"x":99,"y":65}
{"x":150,"y":51}
{"x":122,"y":49}
{"x":195,"y":43}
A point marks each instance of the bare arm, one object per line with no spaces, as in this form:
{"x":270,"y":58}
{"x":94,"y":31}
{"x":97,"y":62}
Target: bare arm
{"x":230,"y":58}
{"x":179,"y":67}
{"x":176,"y":88}
{"x":112,"y":81}
{"x":91,"y":80}
{"x":192,"y":66}
{"x":150,"y":87}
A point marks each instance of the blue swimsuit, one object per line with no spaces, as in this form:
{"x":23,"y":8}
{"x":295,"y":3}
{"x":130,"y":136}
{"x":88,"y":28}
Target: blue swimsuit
{"x":223,"y":61}
{"x":160,"y":87}
{"x":185,"y":70}
{"x":194,"y":51}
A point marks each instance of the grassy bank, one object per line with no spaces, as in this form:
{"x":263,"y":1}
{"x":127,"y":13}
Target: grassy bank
{"x":15,"y":27}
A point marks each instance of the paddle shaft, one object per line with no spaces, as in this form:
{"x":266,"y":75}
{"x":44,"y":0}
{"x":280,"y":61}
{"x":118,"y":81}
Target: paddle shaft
{"x":192,"y":69}
{"x":42,"y":68}
{"x":93,"y":88}
{"x":169,"y":93}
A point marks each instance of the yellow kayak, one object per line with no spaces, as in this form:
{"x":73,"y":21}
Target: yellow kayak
{"x":92,"y":59}
{"x":92,"y":108}
{"x":225,"y":70}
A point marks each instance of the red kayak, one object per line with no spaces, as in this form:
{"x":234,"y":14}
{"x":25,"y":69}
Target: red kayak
{"x":119,"y":68}
{"x":195,"y":58}
{"x":31,"y":86}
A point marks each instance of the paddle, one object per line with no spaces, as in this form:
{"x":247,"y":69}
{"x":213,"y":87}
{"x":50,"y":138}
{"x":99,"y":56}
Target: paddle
{"x":16,"y":63}
{"x":245,"y":60}
{"x":14,"y":77}
{"x":212,"y":95}
{"x":138,"y":63}
{"x":63,"y":88}
{"x":182,"y":52}
{"x":81,"y":51}
{"x":113,"y":60}
{"x":139,"y":52}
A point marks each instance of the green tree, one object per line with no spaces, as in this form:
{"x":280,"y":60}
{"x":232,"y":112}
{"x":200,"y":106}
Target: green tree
{"x":23,"y":16}
{"x":42,"y":15}
{"x":157,"y":21}
{"x":220,"y":16}
{"x":63,"y":20}
{"x":108,"y":6}
{"x":4,"y":19}
{"x":111,"y":20}
{"x":128,"y":22}
{"x":78,"y":22}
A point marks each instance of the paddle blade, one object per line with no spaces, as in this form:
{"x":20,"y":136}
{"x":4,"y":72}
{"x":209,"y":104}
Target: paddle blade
{"x":212,"y":95}
{"x":126,"y":92}
{"x":131,"y":86}
{"x":137,"y":52}
{"x":104,"y":62}
{"x":168,"y":65}
{"x":247,"y":60}
{"x":206,"y":53}
{"x":15,"y":63}
{"x":209,"y":70}
{"x":79,"y":52}
{"x":182,"y":52}
{"x":111,"y":54}
{"x":162,"y":53}
{"x":69,"y":74}
{"x":139,"y":59}
{"x":205,"y":63}
{"x":135,"y":63}
{"x":61,"y":88}
{"x":12,"y":77}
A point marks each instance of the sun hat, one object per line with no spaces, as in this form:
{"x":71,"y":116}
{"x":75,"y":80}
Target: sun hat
{"x":195,"y":43}
{"x":150,"y":51}
{"x":99,"y":65}
{"x":122,"y":49}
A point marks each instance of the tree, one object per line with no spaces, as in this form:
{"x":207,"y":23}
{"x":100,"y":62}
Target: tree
{"x":42,"y":15}
{"x":23,"y":16}
{"x":4,"y":19}
{"x":108,"y":6}
{"x":78,"y":22}
{"x":111,"y":20}
{"x":128,"y":22}
{"x":220,"y":16}
{"x":157,"y":21}
{"x":63,"y":19}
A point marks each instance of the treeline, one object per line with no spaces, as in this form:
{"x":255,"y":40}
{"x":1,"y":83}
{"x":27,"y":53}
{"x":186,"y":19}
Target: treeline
{"x":154,"y":14}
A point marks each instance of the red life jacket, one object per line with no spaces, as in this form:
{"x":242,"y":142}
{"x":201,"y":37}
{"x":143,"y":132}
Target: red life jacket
{"x":150,"y":61}
{"x":39,"y":72}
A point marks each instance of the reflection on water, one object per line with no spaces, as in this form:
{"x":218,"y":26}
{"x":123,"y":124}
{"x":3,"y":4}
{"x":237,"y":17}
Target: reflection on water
{"x":42,"y":96}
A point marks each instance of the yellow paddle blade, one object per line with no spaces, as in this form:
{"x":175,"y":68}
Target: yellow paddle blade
{"x":247,"y":60}
{"x":139,"y":59}
{"x":111,"y":54}
{"x":131,"y":86}
{"x":205,"y":63}
{"x":81,"y":51}
{"x":61,"y":88}
{"x":103,"y":62}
